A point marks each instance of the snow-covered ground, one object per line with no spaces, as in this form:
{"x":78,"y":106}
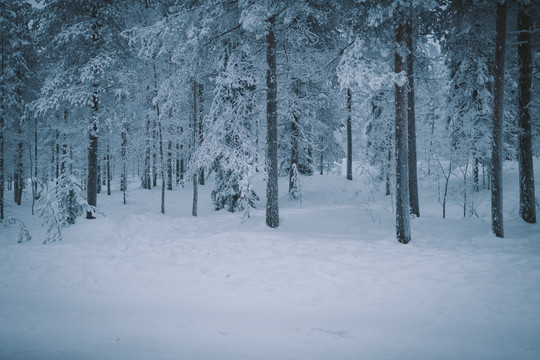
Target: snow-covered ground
{"x":330,"y":283}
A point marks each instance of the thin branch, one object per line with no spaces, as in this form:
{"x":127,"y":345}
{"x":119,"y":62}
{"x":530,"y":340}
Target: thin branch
{"x":223,"y":34}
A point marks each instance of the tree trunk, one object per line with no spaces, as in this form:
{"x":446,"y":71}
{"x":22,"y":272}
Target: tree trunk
{"x":92,"y":181}
{"x":123,"y":177}
{"x":294,"y":150}
{"x":35,"y":156}
{"x":527,"y":206}
{"x":108,"y":169}
{"x":349,"y":134}
{"x":57,"y":162}
{"x":19,"y":170}
{"x":498,"y":113}
{"x":169,"y":165}
{"x":99,"y":177}
{"x":2,"y":173}
{"x":195,"y":142}
{"x":147,"y":178}
{"x":413,"y":173}
{"x":201,"y":127}
{"x":272,"y":205}
{"x":178,"y":157}
{"x":2,"y":129}
{"x":403,"y":230}
{"x":475,"y":174}
{"x":154,"y":153}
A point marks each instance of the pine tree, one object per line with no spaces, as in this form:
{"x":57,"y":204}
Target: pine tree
{"x":527,"y":203}
{"x":403,"y":229}
{"x":16,"y":57}
{"x":498,"y":116}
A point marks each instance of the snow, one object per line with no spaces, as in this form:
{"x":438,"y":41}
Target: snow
{"x":330,"y":283}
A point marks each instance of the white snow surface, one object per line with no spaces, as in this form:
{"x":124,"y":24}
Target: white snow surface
{"x":330,"y":283}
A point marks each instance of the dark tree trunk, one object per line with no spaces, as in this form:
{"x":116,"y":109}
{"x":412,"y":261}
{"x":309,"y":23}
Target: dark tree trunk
{"x":57,"y":162}
{"x":527,"y":205}
{"x":475,"y":174}
{"x":388,"y":187}
{"x":154,"y":153}
{"x":201,"y":126}
{"x":178,"y":154}
{"x":160,"y":139}
{"x":108,"y":170}
{"x":349,"y":134}
{"x":123,"y":177}
{"x":35,"y":156}
{"x":294,"y":150}
{"x":498,"y":113}
{"x":195,"y":142}
{"x":272,"y":206}
{"x":2,"y":173}
{"x":147,"y":178}
{"x":169,"y":166}
{"x":99,"y":177}
{"x":403,"y":229}
{"x":413,"y":173}
{"x":2,"y":129}
{"x":92,"y":181}
{"x":19,"y":170}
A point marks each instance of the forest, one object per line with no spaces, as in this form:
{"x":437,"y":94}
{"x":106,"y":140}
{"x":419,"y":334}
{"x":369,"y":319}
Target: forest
{"x":271,"y":124}
{"x":175,"y":92}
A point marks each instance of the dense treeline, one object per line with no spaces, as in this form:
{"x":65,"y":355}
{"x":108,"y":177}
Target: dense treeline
{"x":179,"y":91}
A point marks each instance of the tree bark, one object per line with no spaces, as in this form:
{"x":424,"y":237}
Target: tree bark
{"x":349,"y":134}
{"x":147,"y":178}
{"x":169,"y":165}
{"x":294,"y":150}
{"x":403,"y":229}
{"x":2,"y":129}
{"x":272,"y":206}
{"x":411,"y":121}
{"x":19,"y":170}
{"x":92,"y":181}
{"x":498,"y":113}
{"x":527,"y":206}
{"x":201,"y":126}
{"x":123,"y":177}
{"x":195,"y":142}
{"x":108,"y":169}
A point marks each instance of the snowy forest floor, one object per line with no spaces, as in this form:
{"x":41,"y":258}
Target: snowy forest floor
{"x":330,"y":283}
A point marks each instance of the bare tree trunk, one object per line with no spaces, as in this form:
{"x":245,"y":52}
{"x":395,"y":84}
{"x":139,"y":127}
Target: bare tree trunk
{"x":272,"y":205}
{"x":498,"y":114}
{"x":169,"y":165}
{"x":475,"y":173}
{"x":154,"y":152}
{"x":92,"y":181}
{"x":195,"y":142}
{"x":123,"y":177}
{"x":201,"y":127}
{"x":35,"y":155}
{"x":527,"y":206}
{"x":2,"y":128}
{"x":349,"y":134}
{"x":389,"y":166}
{"x":147,"y":182}
{"x":178,"y":154}
{"x":108,"y":169}
{"x":403,"y":229}
{"x":57,"y":162}
{"x":19,"y":170}
{"x":413,"y":172}
{"x":294,"y":150}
